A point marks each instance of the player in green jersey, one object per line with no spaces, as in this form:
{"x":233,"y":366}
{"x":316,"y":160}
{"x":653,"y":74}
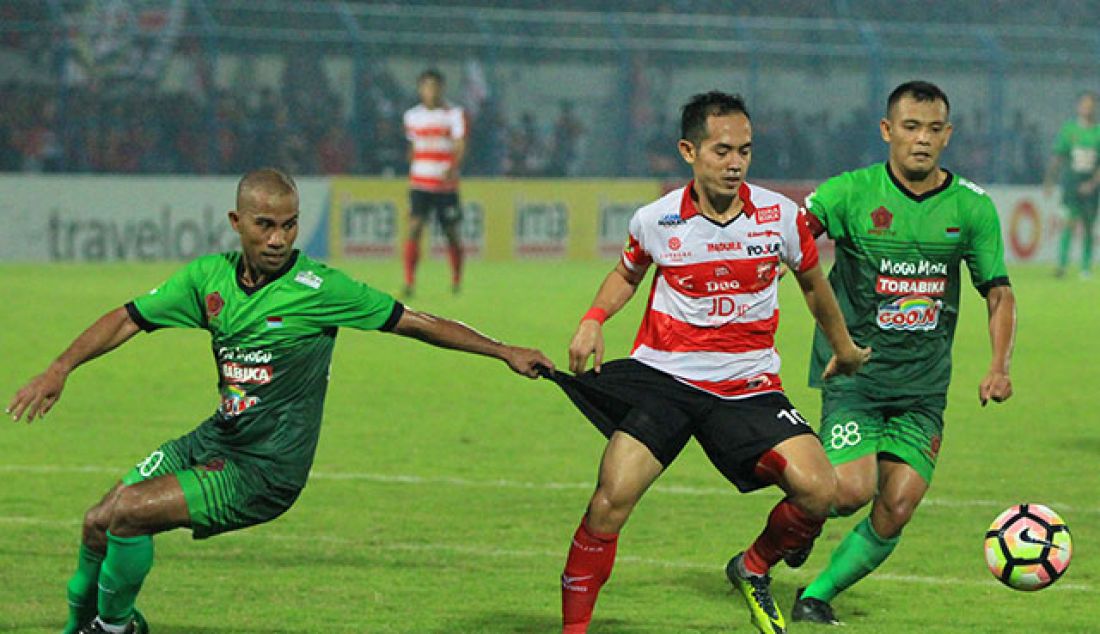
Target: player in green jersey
{"x":902,"y":231}
{"x":1075,"y":157}
{"x":272,"y":313}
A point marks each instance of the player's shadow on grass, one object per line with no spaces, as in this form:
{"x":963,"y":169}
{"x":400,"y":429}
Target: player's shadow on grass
{"x":1085,"y":445}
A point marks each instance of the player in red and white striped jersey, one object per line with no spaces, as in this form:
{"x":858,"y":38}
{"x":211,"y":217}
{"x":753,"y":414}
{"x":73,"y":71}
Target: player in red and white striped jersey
{"x":436,"y":131}
{"x":704,"y":362}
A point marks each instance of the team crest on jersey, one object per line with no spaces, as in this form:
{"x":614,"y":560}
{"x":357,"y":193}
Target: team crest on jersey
{"x":881,"y":219}
{"x":767,"y":214}
{"x":235,"y":401}
{"x":911,"y":313}
{"x":214,"y":305}
{"x":765,"y":271}
{"x":309,"y":278}
{"x":674,"y":243}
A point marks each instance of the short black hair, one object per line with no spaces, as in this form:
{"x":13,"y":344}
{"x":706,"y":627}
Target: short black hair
{"x":918,"y":90}
{"x":693,"y":116}
{"x":268,"y":179}
{"x":431,"y":73}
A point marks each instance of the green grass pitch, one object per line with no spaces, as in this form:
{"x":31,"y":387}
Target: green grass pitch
{"x":446,"y":489}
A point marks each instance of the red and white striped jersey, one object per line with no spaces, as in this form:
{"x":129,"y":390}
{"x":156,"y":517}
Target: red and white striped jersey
{"x":433,"y":132}
{"x":713,"y":309}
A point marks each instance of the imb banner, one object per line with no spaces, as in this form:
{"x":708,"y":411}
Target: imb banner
{"x":501,"y":219}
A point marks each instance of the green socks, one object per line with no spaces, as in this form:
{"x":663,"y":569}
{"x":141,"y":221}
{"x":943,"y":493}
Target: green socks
{"x":82,"y":590}
{"x":861,"y":551}
{"x":128,"y":561}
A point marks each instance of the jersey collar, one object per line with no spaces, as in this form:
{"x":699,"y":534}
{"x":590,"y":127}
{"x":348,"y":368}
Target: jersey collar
{"x":919,"y":197}
{"x":249,"y":290}
{"x":688,"y":207}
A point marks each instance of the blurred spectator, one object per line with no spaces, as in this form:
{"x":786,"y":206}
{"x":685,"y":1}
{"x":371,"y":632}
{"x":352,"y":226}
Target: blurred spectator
{"x":661,"y":158}
{"x":564,"y":142}
{"x":525,"y":149}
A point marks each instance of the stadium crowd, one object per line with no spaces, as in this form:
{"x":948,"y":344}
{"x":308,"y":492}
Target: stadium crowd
{"x":307,"y":130}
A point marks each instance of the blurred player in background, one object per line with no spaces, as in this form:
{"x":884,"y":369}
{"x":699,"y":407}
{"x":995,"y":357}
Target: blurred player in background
{"x":704,"y":362}
{"x":1076,"y":151}
{"x":436,"y":131}
{"x":272,"y":313}
{"x":902,"y":229}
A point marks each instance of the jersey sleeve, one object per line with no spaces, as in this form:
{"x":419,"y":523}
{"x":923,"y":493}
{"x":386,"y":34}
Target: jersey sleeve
{"x":458,"y":123}
{"x":984,"y":253}
{"x":799,"y":248}
{"x":177,"y":303}
{"x":406,"y":121}
{"x":826,"y":204}
{"x":352,"y":304}
{"x":635,"y":255}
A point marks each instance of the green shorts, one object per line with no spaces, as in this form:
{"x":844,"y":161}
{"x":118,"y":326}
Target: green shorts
{"x":222,"y":493}
{"x":911,"y":431}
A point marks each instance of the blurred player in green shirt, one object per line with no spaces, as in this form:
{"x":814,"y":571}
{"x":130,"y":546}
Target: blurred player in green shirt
{"x":1076,"y":151}
{"x":272,"y":313}
{"x":902,"y":231}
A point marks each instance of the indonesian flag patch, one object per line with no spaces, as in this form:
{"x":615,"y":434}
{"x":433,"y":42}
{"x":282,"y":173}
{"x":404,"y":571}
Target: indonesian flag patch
{"x":274,"y":322}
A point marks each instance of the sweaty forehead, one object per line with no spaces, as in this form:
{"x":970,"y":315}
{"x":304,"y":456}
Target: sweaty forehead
{"x":733,"y":128}
{"x":928,"y":110}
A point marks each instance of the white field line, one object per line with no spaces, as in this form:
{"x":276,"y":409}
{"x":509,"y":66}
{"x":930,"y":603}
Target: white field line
{"x":553,"y":555}
{"x":382,"y":478}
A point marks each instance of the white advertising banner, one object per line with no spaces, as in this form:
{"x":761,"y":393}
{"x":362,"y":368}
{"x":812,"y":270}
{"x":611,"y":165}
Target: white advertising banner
{"x":113,"y":218}
{"x":1031,"y":223}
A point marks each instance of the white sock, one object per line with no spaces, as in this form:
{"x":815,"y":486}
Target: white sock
{"x":112,"y":629}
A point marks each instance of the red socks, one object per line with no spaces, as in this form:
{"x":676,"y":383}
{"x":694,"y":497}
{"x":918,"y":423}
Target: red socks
{"x":412,"y":256}
{"x":591,"y":557}
{"x":789,"y":528}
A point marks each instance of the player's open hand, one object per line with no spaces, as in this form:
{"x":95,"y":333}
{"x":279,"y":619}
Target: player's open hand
{"x":587,"y":341}
{"x":38,"y":396}
{"x":847,"y":362}
{"x":527,"y":361}
{"x":996,"y":386}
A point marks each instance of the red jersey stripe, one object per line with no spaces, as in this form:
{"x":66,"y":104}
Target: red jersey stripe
{"x":740,"y":387}
{"x":428,"y":155}
{"x":668,"y":334}
{"x":429,"y":131}
{"x":432,"y":184}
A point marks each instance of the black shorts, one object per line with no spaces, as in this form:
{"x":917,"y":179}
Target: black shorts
{"x":442,"y":205}
{"x":663,"y":414}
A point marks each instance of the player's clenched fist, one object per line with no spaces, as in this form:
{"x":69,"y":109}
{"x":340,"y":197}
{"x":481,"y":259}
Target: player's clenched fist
{"x":527,"y":361}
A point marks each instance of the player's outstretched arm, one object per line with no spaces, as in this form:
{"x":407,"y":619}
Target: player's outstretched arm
{"x":617,"y":289}
{"x":848,"y":358}
{"x":997,"y":385}
{"x":39,"y":395}
{"x":446,"y":333}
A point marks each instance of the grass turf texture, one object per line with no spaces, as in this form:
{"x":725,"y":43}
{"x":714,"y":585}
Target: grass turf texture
{"x":446,"y":489}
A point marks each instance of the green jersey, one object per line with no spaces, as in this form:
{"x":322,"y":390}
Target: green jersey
{"x":1080,"y":147}
{"x":896,"y":275}
{"x":272,"y":345}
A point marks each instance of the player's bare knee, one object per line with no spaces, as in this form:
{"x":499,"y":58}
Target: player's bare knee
{"x":850,"y":498}
{"x":127,"y":514}
{"x":607,"y":512}
{"x":897,"y":514}
{"x":94,"y":529}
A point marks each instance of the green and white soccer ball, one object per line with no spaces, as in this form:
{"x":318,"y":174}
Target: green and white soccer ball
{"x":1028,"y":547}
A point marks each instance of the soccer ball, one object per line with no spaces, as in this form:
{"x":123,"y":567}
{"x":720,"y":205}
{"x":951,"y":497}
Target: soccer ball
{"x":1028,"y":547}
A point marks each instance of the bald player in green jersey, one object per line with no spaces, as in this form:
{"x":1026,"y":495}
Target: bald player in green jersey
{"x":272,"y":313}
{"x":902,"y":231}
{"x":1077,"y":158}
